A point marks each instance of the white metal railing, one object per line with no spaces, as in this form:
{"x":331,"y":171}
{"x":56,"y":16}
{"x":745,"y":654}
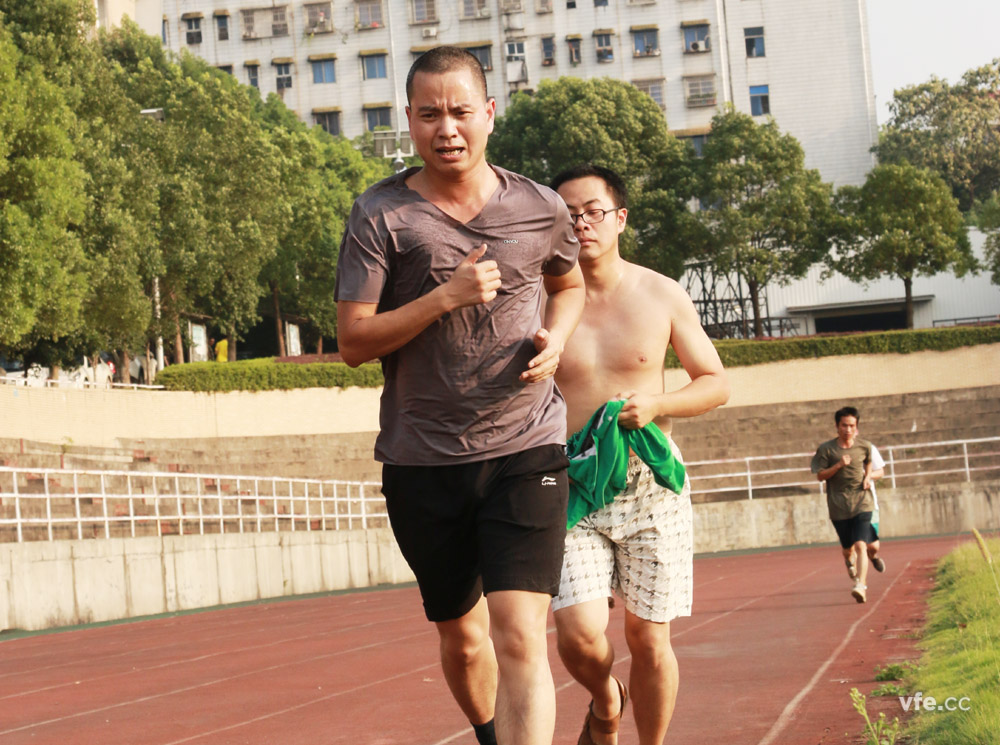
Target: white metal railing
{"x":71,"y":383}
{"x":50,"y":503}
{"x":947,"y":457}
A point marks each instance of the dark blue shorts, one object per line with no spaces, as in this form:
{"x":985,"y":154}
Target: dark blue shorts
{"x":854,"y":529}
{"x":474,"y":528}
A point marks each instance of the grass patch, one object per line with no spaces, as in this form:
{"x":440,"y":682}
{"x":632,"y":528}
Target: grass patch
{"x":890,"y":689}
{"x":961,"y":662}
{"x":894,"y":671}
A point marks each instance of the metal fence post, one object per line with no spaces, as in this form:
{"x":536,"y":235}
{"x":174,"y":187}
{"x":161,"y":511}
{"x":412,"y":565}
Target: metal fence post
{"x":156,"y":509}
{"x":48,"y":504}
{"x":17,"y":509}
{"x":180,"y":506}
{"x":965,"y":455}
{"x":104,"y":508}
{"x":131,"y":508}
{"x":892,"y":468}
{"x":749,"y":480}
{"x":76,"y":507}
{"x":364,"y":507}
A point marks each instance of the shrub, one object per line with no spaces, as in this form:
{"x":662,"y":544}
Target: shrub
{"x":267,"y":375}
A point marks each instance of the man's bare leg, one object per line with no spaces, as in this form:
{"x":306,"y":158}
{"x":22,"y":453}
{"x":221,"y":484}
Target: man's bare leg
{"x":849,"y":559}
{"x":654,"y":678}
{"x":861,"y":561}
{"x":526,"y":696}
{"x":469,"y":662}
{"x":588,"y":655}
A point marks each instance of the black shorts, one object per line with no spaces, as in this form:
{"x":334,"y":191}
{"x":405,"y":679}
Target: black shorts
{"x":854,"y":529}
{"x":475,"y":528}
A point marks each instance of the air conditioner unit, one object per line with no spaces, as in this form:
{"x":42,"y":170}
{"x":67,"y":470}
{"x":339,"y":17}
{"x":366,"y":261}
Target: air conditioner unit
{"x":429,"y":33}
{"x":249,"y":34}
{"x":483,"y":13}
{"x":696,"y":46}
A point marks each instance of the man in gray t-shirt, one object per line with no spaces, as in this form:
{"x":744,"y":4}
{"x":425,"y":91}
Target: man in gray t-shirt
{"x":461,"y":277}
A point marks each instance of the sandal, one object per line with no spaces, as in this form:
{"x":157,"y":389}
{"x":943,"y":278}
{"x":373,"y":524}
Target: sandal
{"x":604,"y":726}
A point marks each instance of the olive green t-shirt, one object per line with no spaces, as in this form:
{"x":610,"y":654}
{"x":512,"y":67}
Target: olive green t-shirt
{"x":844,"y":496}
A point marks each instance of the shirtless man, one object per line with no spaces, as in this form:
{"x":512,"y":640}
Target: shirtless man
{"x":640,"y":544}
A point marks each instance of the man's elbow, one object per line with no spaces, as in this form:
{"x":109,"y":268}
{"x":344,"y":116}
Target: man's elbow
{"x":352,"y":356}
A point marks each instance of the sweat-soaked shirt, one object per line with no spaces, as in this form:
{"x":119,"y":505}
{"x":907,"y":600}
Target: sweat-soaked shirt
{"x":452,"y":393}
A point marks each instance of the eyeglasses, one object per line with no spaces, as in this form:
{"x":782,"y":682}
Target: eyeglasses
{"x":592,"y":217}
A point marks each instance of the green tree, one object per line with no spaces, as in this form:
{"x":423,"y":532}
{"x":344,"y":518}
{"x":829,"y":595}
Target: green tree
{"x":764,"y":215}
{"x":988,"y":220}
{"x":42,"y":266}
{"x":950,"y":129}
{"x":613,"y":124}
{"x":902,"y":222}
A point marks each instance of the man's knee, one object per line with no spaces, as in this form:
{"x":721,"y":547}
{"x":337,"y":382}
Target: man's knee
{"x":579,"y":633}
{"x":647,"y":640}
{"x":518,"y":623}
{"x":462,"y":640}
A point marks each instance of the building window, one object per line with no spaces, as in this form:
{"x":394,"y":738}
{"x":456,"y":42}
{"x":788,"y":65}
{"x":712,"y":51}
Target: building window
{"x":284,"y":73}
{"x":329,"y":121}
{"x":163,"y":32}
{"x":646,"y":43}
{"x":652,"y":88}
{"x":700,"y":91}
{"x":380,"y":117}
{"x":279,"y":23}
{"x":373,"y":67}
{"x":760,"y":104}
{"x":605,"y":52}
{"x":543,"y":6}
{"x":324,"y":72}
{"x":475,"y":9}
{"x":193,"y":30}
{"x":483,"y":55}
{"x":249,"y":28}
{"x":600,"y":3}
{"x":424,"y":11}
{"x":755,"y":41}
{"x":698,"y":143}
{"x":511,"y":6}
{"x":570,"y":4}
{"x":222,"y":27}
{"x":574,"y":51}
{"x":369,"y":13}
{"x":548,"y":51}
{"x":515,"y":51}
{"x":253,"y":75}
{"x":696,"y":39}
{"x":226,"y":69}
{"x":319,"y":18}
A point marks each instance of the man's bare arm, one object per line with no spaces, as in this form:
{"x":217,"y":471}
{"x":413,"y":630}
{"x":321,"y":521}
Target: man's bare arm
{"x":563,"y":308}
{"x":709,"y":386}
{"x":364,"y":335}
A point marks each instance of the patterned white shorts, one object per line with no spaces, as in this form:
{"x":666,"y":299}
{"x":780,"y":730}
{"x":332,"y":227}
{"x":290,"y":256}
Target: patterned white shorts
{"x":639,"y":546}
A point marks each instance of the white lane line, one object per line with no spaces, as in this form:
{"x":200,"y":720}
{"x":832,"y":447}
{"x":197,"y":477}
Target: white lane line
{"x":789,"y":711}
{"x":199,"y":658}
{"x":216,"y":681}
{"x":304,"y":704}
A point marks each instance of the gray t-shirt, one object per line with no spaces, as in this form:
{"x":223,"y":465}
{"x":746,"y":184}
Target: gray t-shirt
{"x":844,"y":496}
{"x":452,"y":393}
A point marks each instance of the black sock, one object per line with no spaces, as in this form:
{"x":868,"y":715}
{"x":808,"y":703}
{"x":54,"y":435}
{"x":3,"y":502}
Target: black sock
{"x":485,"y":733}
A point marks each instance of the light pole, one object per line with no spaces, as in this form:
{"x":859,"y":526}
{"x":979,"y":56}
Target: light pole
{"x":157,"y":115}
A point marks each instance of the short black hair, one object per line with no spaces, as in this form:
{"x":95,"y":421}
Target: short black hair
{"x":616,"y":186}
{"x":846,"y":411}
{"x":445,"y":59}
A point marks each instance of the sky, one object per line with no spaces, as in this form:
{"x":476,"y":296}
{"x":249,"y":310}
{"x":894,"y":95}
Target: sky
{"x":911,"y":40}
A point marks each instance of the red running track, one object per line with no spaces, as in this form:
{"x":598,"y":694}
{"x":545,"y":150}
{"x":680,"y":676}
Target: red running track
{"x":774,"y":646}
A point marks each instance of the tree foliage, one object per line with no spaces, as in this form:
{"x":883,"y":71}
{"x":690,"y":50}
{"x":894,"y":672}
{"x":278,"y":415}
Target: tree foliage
{"x":226,"y":202}
{"x":613,"y":124}
{"x":954,"y":130}
{"x":988,"y":220}
{"x":903,"y":222}
{"x":764,"y":215}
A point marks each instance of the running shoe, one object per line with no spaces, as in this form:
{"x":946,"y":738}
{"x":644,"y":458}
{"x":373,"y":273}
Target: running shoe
{"x":879,"y":564}
{"x":858,"y":592}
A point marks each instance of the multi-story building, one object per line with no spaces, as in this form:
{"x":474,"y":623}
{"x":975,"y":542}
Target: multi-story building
{"x":342,"y":64}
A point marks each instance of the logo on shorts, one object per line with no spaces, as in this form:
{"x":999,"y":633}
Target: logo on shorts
{"x":548,"y":481}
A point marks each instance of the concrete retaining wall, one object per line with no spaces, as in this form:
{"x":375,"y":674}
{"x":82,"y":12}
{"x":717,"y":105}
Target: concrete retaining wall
{"x":46,"y":585}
